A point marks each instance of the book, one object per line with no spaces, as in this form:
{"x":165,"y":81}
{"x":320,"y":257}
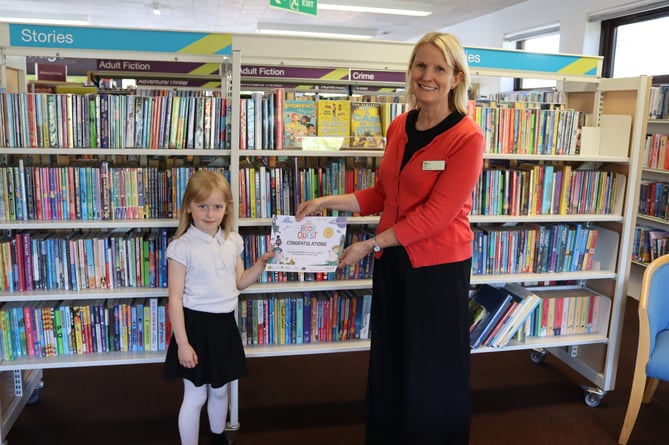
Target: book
{"x":299,"y":120}
{"x":334,"y":118}
{"x":495,"y":301}
{"x":528,"y":301}
{"x":366,"y":125}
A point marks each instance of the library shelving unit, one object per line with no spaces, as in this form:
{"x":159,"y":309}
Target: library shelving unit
{"x":22,"y":376}
{"x":593,"y":355}
{"x":654,"y":174}
{"x":609,"y":106}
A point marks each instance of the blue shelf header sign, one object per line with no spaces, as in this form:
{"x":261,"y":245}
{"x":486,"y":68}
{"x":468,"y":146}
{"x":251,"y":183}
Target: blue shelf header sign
{"x":67,"y":37}
{"x":512,"y":60}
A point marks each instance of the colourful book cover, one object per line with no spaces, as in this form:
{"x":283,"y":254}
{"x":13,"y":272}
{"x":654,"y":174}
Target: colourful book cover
{"x":334,"y":118}
{"x":299,"y":117}
{"x":366,"y":125}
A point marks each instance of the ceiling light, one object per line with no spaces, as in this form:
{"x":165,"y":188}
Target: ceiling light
{"x":388,"y":7}
{"x":44,"y":18}
{"x":156,"y":8}
{"x":316,"y":31}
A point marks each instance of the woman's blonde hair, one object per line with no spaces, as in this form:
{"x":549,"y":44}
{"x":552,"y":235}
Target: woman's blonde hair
{"x":455,"y":56}
{"x":200,"y":186}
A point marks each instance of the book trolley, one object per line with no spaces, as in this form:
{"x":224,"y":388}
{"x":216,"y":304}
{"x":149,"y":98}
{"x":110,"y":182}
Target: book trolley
{"x":594,"y":355}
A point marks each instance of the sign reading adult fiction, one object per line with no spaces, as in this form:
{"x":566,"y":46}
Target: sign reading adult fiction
{"x":312,"y":244}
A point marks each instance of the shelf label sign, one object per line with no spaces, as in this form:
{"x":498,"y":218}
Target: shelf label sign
{"x":68,"y":37}
{"x":377,"y":76}
{"x":152,"y":66}
{"x":302,"y":6}
{"x":513,"y":60}
{"x":299,"y":73}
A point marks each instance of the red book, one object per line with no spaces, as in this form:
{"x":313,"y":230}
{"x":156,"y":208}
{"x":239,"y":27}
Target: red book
{"x":29,"y":326}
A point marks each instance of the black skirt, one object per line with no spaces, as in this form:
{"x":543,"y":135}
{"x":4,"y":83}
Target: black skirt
{"x":216,"y":340}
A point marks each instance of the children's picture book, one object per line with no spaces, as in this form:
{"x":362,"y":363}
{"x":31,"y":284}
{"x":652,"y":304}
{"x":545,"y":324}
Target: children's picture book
{"x":334,"y":118}
{"x":366,"y":125}
{"x":310,"y":245}
{"x":299,"y":120}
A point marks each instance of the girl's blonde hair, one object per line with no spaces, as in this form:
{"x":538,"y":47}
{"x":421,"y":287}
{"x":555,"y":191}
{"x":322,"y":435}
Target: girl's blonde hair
{"x":200,"y":186}
{"x":454,"y":53}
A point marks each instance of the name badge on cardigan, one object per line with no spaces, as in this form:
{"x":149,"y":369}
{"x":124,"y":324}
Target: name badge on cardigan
{"x":434,"y":165}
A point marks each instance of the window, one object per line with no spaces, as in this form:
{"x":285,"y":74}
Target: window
{"x":633,"y":45}
{"x":544,"y":43}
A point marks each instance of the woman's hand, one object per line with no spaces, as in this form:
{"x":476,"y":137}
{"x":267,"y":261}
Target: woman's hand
{"x":354,"y":253}
{"x":187,"y":356}
{"x":310,"y":207}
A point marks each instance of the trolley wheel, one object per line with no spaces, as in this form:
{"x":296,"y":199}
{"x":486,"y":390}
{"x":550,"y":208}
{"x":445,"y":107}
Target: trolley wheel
{"x":537,"y":356}
{"x":34,"y":397}
{"x":593,"y":400}
{"x":593,"y":396}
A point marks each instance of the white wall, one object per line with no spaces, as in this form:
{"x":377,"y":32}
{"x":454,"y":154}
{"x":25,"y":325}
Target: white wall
{"x":577,"y":36}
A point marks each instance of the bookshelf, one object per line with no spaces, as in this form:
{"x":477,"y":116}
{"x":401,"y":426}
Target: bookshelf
{"x":128,"y":155}
{"x":594,"y":356}
{"x":654,"y":174}
{"x":605,"y":103}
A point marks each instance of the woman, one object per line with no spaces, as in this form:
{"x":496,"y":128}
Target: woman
{"x":418,"y":387}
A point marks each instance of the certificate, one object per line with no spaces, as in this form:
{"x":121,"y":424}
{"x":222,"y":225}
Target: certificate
{"x":310,"y":245}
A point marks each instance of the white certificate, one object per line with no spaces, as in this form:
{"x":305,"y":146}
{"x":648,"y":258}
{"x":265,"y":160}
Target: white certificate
{"x":310,"y":245}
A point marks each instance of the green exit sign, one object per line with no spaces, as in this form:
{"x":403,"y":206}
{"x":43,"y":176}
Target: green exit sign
{"x":303,"y":6}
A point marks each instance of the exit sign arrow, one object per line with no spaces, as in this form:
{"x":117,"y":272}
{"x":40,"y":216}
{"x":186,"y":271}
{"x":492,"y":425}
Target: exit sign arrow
{"x":302,"y":6}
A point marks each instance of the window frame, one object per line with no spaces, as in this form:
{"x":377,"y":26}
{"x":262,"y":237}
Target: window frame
{"x":608,"y":34}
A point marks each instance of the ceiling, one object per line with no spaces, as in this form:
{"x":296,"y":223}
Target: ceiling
{"x":241,"y":16}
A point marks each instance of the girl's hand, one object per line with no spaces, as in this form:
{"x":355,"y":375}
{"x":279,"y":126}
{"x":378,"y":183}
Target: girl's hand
{"x":267,"y":255}
{"x":354,"y":253}
{"x":187,"y":356}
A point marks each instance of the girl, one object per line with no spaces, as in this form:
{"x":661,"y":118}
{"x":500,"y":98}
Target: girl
{"x":205,"y":275}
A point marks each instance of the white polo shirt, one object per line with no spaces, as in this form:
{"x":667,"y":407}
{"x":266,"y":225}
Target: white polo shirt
{"x":211,"y":281}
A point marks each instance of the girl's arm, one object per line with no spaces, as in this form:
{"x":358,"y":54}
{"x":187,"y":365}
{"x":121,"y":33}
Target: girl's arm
{"x":175,"y":284}
{"x":247,"y":277}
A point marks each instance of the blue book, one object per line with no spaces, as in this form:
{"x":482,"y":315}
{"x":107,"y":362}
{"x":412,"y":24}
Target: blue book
{"x":495,"y":301}
{"x":139,"y":307}
{"x":299,"y":319}
{"x":307,"y":309}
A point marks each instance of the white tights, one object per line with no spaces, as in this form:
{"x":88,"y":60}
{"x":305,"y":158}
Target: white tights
{"x":191,"y":407}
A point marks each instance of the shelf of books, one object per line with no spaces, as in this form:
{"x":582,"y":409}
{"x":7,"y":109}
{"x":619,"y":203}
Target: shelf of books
{"x":96,"y":191}
{"x":552,"y":206}
{"x":92,"y":183}
{"x":652,"y":221}
{"x":561,"y":174}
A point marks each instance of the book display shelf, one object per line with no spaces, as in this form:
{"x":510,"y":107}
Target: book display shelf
{"x":601,"y":103}
{"x":652,"y":220}
{"x":603,"y":155}
{"x":91,"y":185}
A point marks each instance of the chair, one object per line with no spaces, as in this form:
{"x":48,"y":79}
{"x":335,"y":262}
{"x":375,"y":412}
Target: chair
{"x":652,"y":359}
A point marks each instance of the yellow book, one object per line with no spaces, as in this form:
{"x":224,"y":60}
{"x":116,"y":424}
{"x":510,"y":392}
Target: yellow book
{"x":366,"y":125}
{"x":565,"y":187}
{"x":333,"y":118}
{"x":77,"y":322}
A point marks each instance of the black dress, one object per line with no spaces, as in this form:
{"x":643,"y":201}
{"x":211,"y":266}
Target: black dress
{"x":216,"y":340}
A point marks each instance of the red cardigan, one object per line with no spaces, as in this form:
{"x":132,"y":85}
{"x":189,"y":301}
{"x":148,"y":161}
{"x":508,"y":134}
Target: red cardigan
{"x":428,"y":203}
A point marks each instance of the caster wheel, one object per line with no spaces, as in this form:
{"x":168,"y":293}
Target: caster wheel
{"x":593,"y":400}
{"x":537,"y":357}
